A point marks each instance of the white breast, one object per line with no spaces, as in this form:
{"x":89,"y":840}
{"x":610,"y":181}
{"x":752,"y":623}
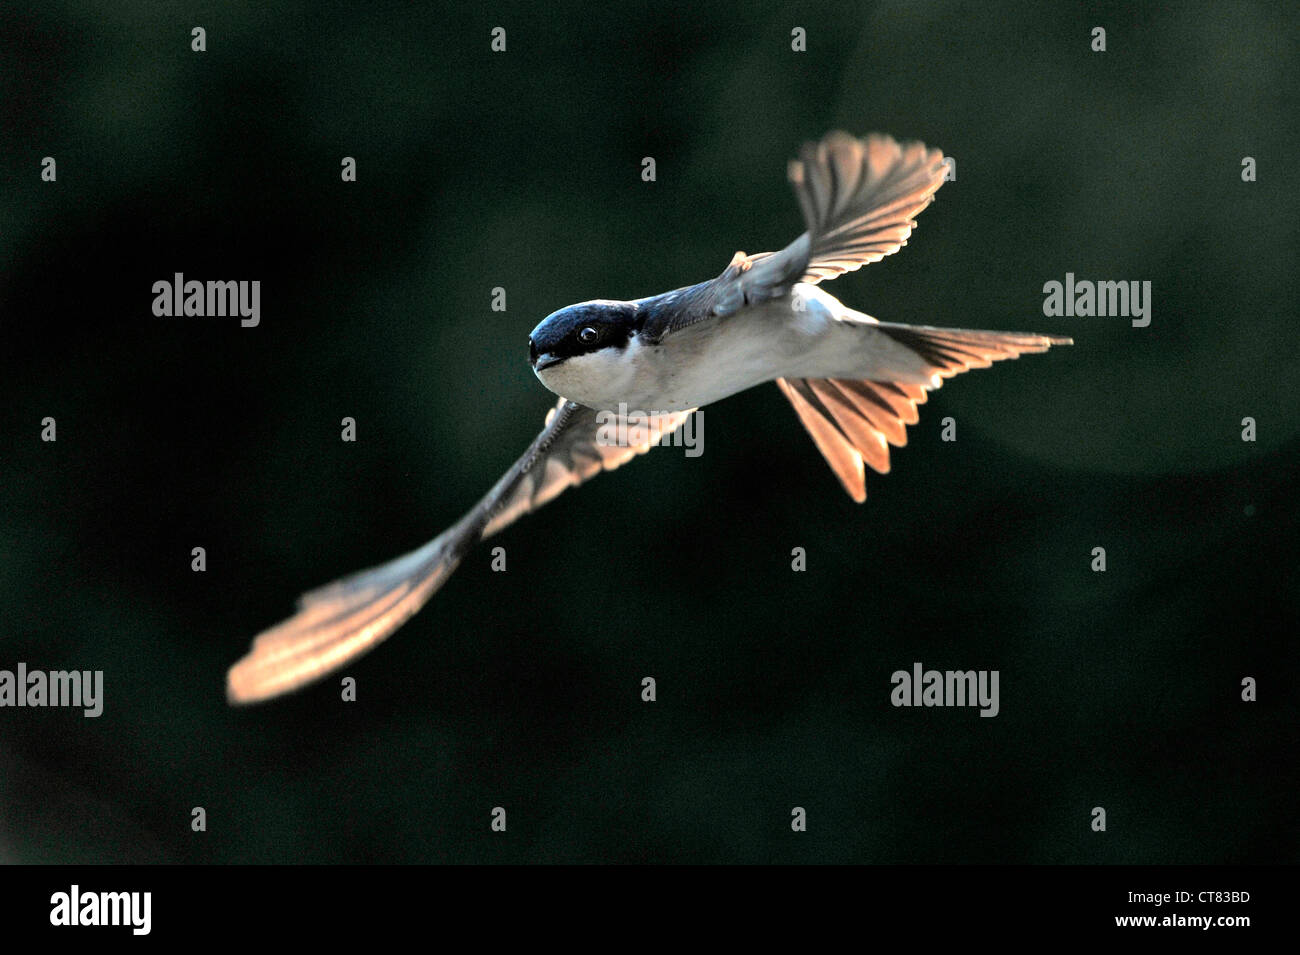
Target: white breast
{"x":702,"y":363}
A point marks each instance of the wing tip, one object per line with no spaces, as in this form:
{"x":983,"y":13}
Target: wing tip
{"x":241,"y":688}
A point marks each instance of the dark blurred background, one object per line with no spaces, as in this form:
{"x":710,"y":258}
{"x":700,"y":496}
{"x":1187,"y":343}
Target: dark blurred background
{"x":522,"y":170}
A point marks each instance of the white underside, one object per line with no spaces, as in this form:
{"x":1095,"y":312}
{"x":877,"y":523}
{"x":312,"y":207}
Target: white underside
{"x":808,"y":334}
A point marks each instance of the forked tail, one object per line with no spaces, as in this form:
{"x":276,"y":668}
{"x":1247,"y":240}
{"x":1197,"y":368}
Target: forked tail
{"x":853,"y":423}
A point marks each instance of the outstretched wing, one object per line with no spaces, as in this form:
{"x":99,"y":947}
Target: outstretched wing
{"x":859,"y":198}
{"x":340,"y":621}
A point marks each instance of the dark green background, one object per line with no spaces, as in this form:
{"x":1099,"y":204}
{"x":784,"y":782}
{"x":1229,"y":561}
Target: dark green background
{"x":521,"y":689}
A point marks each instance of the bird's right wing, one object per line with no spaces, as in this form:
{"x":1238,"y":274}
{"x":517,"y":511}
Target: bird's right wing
{"x":340,"y":621}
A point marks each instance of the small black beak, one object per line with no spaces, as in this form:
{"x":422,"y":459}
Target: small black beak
{"x":546,"y":360}
{"x":540,"y":360}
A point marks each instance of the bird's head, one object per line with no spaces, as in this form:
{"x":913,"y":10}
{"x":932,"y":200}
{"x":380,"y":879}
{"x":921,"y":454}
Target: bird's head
{"x":579,"y":335}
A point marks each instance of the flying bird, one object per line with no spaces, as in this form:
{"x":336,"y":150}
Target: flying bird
{"x":854,"y":382}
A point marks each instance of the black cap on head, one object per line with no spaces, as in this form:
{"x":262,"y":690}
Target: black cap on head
{"x":582,"y":329}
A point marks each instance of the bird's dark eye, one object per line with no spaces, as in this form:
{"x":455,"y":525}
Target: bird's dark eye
{"x":588,"y":335}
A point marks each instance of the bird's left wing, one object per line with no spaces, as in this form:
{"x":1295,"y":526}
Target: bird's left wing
{"x":859,"y":198}
{"x":340,"y":621}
